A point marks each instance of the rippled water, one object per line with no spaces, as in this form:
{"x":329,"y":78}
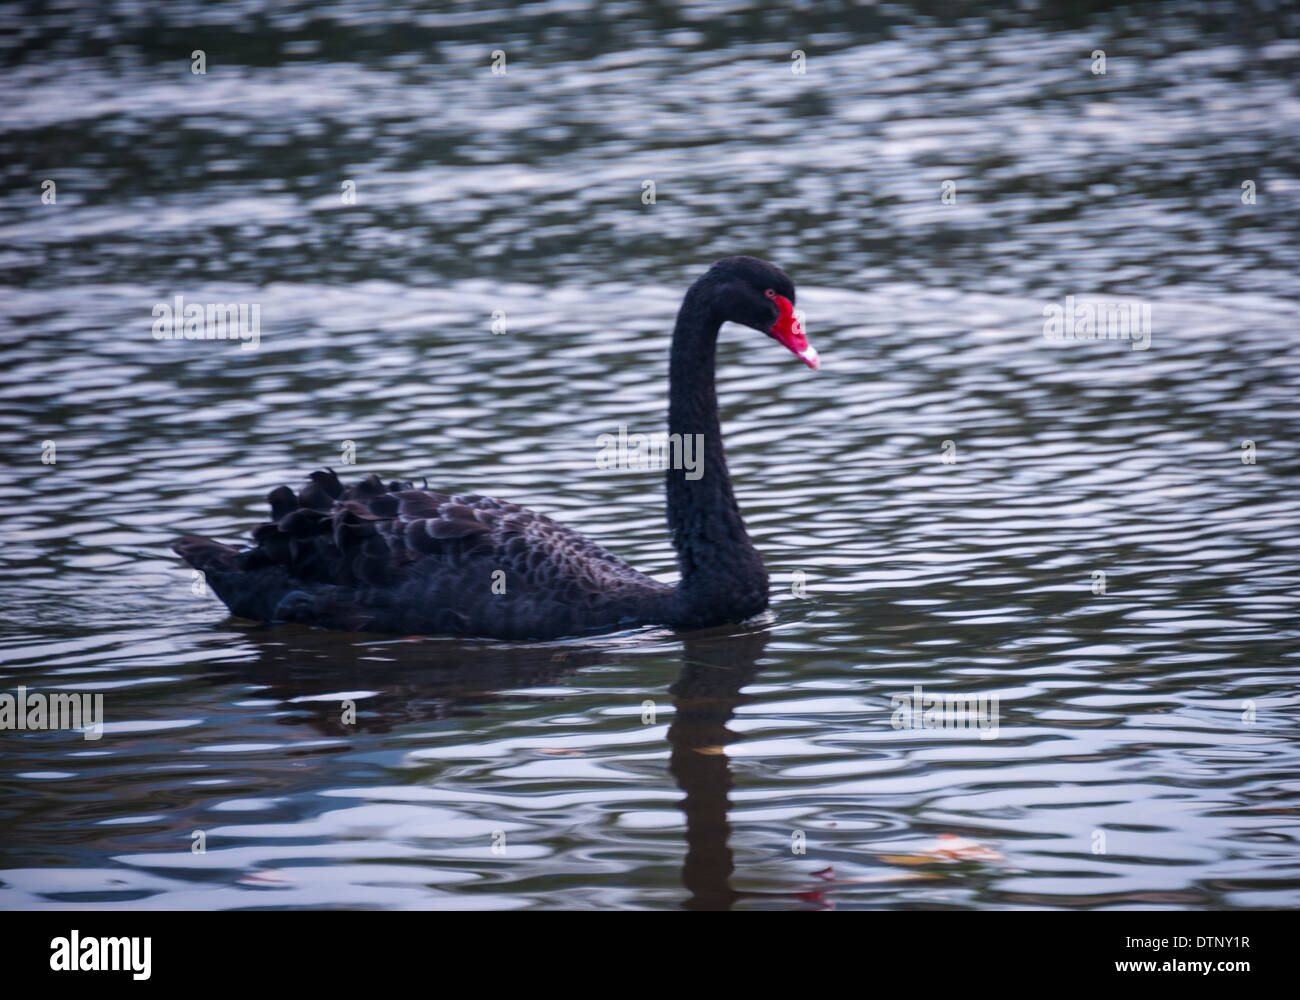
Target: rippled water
{"x":1145,"y":751}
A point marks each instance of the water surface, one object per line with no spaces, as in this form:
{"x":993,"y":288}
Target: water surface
{"x":1145,"y":753}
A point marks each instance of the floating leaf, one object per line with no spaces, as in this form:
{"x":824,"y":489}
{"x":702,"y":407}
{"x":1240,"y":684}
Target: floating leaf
{"x":947,"y":847}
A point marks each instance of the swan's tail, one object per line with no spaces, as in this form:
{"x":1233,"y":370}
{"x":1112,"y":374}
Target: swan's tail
{"x":327,"y":550}
{"x":248,"y":594}
{"x":206,"y":555}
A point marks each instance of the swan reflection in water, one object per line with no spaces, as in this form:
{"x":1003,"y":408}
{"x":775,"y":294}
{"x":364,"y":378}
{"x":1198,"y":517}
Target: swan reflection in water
{"x":450,"y":679}
{"x":705,"y":697}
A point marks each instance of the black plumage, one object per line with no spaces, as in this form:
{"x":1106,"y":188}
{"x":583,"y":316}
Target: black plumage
{"x":391,"y":557}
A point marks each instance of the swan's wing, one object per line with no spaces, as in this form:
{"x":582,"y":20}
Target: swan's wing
{"x":340,"y":553}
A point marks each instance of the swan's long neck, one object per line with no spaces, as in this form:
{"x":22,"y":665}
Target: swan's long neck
{"x":722,"y":575}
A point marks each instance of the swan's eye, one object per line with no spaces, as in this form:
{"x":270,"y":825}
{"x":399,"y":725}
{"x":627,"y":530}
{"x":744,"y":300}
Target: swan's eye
{"x":770,"y":293}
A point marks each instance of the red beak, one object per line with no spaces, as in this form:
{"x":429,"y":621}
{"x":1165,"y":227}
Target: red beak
{"x":789,"y":331}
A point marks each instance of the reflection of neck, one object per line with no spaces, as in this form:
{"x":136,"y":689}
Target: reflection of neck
{"x":722,"y":575}
{"x":703,"y":773}
{"x":705,"y":697}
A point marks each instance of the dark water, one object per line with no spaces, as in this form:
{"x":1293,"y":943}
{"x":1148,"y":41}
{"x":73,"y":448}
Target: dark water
{"x":1145,"y":752}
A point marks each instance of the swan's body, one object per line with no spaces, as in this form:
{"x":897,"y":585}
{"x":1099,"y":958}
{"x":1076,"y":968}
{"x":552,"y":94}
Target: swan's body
{"x":394,"y":558}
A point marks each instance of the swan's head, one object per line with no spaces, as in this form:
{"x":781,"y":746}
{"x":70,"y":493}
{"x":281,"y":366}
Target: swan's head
{"x":760,"y":295}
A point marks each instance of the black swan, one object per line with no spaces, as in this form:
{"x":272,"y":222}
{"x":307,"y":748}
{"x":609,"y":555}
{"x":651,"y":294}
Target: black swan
{"x":393,"y":558}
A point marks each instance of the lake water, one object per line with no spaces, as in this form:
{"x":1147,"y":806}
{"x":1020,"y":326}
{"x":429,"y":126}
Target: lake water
{"x":1145,"y":751}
